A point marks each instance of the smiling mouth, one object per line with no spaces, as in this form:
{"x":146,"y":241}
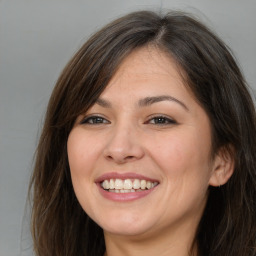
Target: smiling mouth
{"x":127,"y":185}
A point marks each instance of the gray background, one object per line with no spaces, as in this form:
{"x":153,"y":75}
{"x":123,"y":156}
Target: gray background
{"x":37,"y":37}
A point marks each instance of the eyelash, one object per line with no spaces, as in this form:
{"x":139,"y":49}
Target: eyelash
{"x":162,"y":120}
{"x":157,"y":120}
{"x":94,"y":120}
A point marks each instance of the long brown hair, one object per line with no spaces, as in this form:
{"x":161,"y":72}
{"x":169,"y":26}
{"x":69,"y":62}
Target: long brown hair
{"x":228,"y":226}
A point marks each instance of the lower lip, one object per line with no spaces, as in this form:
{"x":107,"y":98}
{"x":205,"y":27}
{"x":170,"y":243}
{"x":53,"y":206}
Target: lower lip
{"x":124,"y":197}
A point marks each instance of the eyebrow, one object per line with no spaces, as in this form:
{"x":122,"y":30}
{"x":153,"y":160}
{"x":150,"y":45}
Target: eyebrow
{"x":147,"y":101}
{"x":103,"y":103}
{"x":151,"y":100}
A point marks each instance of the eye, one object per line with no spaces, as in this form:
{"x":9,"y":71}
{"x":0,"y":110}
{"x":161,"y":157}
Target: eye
{"x":94,"y":120}
{"x":161,"y":120}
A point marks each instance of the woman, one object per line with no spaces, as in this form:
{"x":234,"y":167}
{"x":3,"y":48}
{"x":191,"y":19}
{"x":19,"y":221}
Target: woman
{"x":148,"y":146}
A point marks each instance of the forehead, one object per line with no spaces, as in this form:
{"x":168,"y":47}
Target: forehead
{"x":147,"y":70}
{"x":148,"y":61}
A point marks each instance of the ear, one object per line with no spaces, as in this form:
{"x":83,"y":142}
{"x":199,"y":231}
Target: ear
{"x":223,"y":167}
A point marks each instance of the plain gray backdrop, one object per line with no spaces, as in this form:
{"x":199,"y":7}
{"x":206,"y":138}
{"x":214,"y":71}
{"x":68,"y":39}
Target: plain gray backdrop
{"x":37,"y":38}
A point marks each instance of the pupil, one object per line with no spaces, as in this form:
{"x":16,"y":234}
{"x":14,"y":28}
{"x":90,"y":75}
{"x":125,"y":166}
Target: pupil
{"x":98,"y":120}
{"x":160,"y":120}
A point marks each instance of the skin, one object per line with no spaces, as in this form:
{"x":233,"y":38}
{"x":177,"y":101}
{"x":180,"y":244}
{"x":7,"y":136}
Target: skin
{"x":130,"y":139}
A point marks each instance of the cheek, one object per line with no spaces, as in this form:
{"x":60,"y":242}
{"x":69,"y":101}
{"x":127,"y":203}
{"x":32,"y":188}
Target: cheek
{"x":184,"y":161}
{"x":81,"y":154}
{"x":81,"y":161}
{"x":183,"y":158}
{"x":178,"y":151}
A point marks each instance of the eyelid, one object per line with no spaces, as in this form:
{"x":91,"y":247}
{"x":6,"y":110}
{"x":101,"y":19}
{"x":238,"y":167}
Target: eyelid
{"x":171,"y":121}
{"x":91,"y":116}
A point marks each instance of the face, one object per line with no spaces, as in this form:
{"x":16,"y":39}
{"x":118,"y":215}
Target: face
{"x":140,"y":158}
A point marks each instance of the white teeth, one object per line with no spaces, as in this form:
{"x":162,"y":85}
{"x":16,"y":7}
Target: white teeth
{"x":121,"y":190}
{"x":111,"y":184}
{"x":149,"y":185}
{"x":119,"y":184}
{"x":105,"y":184}
{"x":143,"y":184}
{"x":136,"y":184}
{"x":127,"y":185}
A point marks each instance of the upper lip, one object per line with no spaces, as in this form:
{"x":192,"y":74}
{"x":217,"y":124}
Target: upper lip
{"x":123,"y":176}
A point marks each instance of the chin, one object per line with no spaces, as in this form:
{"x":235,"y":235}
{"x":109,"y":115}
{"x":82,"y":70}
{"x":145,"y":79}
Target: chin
{"x":126,"y":225}
{"x":126,"y":230}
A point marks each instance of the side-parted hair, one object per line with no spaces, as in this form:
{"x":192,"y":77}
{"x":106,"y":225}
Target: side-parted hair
{"x":60,"y":226}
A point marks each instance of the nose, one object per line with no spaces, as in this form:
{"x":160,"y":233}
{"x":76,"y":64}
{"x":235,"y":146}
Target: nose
{"x":123,"y":145}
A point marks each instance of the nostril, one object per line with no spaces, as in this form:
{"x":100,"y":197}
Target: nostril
{"x":123,"y":152}
{"x":120,"y":159}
